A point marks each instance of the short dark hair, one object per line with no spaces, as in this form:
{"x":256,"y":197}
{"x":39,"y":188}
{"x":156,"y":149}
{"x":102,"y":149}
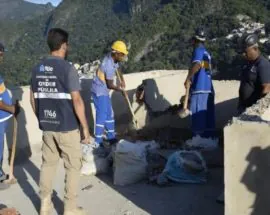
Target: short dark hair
{"x":56,"y":37}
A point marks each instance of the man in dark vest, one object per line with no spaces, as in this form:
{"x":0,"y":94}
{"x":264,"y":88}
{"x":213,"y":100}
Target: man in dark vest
{"x":255,"y":76}
{"x":57,"y":103}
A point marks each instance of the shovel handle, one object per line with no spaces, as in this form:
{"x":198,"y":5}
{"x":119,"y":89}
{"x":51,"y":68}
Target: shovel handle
{"x":135,"y":122}
{"x":186,"y":97}
{"x":13,"y":149}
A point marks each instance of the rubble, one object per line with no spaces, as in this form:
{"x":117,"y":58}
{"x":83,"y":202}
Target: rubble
{"x":258,"y":112}
{"x":156,"y":164}
{"x":200,"y":143}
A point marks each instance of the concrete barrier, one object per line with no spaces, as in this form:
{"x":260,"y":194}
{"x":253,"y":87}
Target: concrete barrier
{"x":247,"y":162}
{"x":29,"y":135}
{"x":166,"y":89}
{"x":163,"y":92}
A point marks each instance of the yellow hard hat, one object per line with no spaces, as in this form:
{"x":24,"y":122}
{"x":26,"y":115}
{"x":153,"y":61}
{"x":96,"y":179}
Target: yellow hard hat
{"x":120,"y":46}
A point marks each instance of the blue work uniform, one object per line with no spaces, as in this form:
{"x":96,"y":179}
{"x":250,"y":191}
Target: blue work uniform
{"x":4,"y":116}
{"x":202,"y":95}
{"x":102,"y":100}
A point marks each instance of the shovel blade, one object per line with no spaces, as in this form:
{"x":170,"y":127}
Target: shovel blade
{"x":184,"y":113}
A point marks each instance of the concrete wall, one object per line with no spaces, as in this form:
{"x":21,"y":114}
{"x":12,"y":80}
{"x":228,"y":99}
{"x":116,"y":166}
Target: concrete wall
{"x":165,"y":89}
{"x":121,"y":111}
{"x":247,"y":162}
{"x":29,"y":135}
{"x":163,"y":92}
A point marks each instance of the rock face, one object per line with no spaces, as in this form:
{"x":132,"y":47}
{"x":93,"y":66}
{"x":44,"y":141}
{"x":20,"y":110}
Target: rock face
{"x":137,"y":6}
{"x":22,"y":10}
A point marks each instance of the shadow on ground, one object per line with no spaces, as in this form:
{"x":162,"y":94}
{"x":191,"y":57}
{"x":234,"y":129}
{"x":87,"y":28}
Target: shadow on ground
{"x":257,"y":181}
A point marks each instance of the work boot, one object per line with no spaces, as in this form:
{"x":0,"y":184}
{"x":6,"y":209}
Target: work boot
{"x":46,"y":206}
{"x":77,"y":211}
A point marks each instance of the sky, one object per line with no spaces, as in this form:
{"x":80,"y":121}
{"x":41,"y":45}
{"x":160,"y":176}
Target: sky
{"x":54,"y":2}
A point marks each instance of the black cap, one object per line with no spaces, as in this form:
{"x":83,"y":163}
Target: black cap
{"x":200,"y":34}
{"x":2,"y":48}
{"x":249,"y":40}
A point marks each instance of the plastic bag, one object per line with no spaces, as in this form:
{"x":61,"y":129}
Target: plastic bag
{"x":87,"y":152}
{"x":130,"y":164}
{"x":185,"y":167}
{"x":93,"y":164}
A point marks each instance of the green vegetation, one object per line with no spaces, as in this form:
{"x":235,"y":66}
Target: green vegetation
{"x":158,"y":31}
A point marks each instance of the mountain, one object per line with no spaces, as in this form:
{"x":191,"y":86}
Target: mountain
{"x":21,"y":10}
{"x":158,"y":32}
{"x":15,"y":16}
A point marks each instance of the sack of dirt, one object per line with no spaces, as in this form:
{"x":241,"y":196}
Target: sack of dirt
{"x":92,"y":163}
{"x":130,"y":164}
{"x":185,"y":167}
{"x":155,"y":165}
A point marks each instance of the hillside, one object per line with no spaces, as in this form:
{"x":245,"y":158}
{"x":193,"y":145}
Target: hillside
{"x":21,"y":10}
{"x":157,"y":30}
{"x":15,"y":16}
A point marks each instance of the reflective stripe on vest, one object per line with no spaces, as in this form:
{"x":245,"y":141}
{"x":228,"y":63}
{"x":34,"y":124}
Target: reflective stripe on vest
{"x":52,"y":96}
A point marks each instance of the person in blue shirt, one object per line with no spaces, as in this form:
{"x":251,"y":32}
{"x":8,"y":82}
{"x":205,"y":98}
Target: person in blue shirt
{"x":7,"y":109}
{"x":101,"y":86}
{"x":202,"y":92}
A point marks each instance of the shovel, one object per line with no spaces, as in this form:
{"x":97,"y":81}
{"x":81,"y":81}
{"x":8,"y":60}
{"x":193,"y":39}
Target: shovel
{"x":134,"y":120}
{"x":185,"y":111}
{"x":11,"y":178}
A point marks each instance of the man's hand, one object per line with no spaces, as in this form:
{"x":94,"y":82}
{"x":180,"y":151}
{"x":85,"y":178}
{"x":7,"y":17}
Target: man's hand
{"x":187,"y":83}
{"x":86,"y":136}
{"x":123,"y":85}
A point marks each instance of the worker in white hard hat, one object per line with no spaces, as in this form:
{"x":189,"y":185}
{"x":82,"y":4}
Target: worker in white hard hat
{"x":201,"y":88}
{"x":101,"y":86}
